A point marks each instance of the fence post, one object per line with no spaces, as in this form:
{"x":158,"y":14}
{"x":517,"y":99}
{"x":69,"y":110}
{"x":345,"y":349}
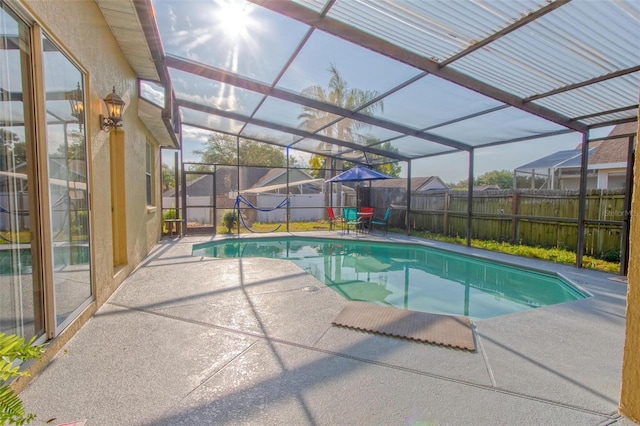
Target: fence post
{"x":624,"y":237}
{"x":514,"y":215}
{"x":445,"y":221}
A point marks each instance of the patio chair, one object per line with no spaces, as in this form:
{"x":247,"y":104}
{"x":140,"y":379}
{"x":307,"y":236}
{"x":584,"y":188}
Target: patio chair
{"x":333,"y":219}
{"x":365,"y":215}
{"x":350,"y":215}
{"x":384,"y":222}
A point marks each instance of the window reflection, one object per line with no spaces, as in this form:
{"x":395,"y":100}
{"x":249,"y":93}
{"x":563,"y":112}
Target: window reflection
{"x":152,"y":92}
{"x":21,"y":300}
{"x":69,"y":215}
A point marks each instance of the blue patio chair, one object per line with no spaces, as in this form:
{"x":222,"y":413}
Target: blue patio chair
{"x":350,"y":217}
{"x":384,"y":222}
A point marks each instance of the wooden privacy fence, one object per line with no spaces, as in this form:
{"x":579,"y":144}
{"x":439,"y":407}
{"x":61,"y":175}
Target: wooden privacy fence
{"x":547,"y":218}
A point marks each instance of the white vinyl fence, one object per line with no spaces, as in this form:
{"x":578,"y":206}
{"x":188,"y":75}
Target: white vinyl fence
{"x":303,"y":207}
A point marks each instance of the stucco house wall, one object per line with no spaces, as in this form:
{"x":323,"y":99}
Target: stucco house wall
{"x":81,"y":31}
{"x":630,"y":393}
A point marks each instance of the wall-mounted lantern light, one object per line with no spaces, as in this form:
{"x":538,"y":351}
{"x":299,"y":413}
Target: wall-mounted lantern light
{"x":76,"y":102}
{"x":115,"y":105}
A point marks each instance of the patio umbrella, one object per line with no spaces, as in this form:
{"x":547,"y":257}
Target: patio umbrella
{"x":358,"y":174}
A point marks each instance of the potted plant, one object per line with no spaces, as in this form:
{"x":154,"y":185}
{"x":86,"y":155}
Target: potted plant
{"x":229,"y":220}
{"x":167,"y":216}
{"x":13,"y":351}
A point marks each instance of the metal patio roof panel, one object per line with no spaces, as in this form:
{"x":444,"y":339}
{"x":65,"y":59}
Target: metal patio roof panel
{"x":521,"y":52}
{"x":200,"y":30}
{"x":315,"y":5}
{"x":505,"y":124}
{"x":607,"y":95}
{"x":576,"y":42}
{"x":434,"y":29}
{"x":377,"y":44}
{"x":614,"y":117}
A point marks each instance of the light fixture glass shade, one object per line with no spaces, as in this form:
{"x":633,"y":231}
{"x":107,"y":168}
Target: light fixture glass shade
{"x":76,"y":102}
{"x":115,"y":107}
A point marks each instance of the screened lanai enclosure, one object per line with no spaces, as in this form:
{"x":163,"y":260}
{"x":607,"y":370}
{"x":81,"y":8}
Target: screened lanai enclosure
{"x":276,"y":97}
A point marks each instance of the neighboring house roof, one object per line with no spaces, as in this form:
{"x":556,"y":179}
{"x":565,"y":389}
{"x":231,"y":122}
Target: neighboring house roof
{"x":272,"y":175}
{"x":608,"y":151}
{"x":613,"y":150}
{"x":486,"y":187}
{"x":269,"y":176}
{"x":59,"y":167}
{"x":625,"y":129}
{"x":568,"y":158}
{"x":417,"y":183}
{"x":226,"y":180}
{"x":252,"y":177}
{"x":308,"y":186}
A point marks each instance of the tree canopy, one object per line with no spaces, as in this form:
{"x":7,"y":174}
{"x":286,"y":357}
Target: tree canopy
{"x":74,"y":149}
{"x":221,"y":149}
{"x":502,"y":178}
{"x":317,"y":164}
{"x":12,"y":146}
{"x":168,"y":177}
{"x":339,"y":93}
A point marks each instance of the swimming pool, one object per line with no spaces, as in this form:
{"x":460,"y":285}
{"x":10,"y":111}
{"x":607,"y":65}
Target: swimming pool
{"x":407,"y":276}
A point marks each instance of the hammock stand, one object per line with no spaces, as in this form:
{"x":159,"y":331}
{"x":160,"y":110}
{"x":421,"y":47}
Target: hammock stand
{"x":241,"y":200}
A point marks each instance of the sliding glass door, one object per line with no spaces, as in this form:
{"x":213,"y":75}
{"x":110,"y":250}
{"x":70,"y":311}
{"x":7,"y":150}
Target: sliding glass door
{"x":21,"y":291}
{"x":67,"y":169}
{"x":45,"y":274}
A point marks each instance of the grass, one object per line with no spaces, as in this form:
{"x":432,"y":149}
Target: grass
{"x":322,"y":225}
{"x":553,"y":254}
{"x":20,"y":237}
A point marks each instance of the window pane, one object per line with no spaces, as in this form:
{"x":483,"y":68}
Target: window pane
{"x":149,"y":187}
{"x":152,"y":92}
{"x":148,"y":175}
{"x":69,"y":215}
{"x":21,"y":298}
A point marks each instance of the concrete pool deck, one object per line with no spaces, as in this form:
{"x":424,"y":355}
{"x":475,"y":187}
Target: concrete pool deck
{"x":199,"y":341}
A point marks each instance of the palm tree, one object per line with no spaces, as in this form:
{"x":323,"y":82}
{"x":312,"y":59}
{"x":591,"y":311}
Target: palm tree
{"x":340,"y":94}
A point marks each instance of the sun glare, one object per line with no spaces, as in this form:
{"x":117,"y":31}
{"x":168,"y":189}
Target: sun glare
{"x":233,"y":18}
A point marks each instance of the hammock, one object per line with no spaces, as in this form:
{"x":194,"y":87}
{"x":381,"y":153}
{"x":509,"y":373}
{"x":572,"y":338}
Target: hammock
{"x":241,"y":199}
{"x":56,"y":203}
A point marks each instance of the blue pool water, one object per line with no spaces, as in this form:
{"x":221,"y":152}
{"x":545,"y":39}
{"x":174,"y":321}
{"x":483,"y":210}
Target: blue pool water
{"x":407,"y":276}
